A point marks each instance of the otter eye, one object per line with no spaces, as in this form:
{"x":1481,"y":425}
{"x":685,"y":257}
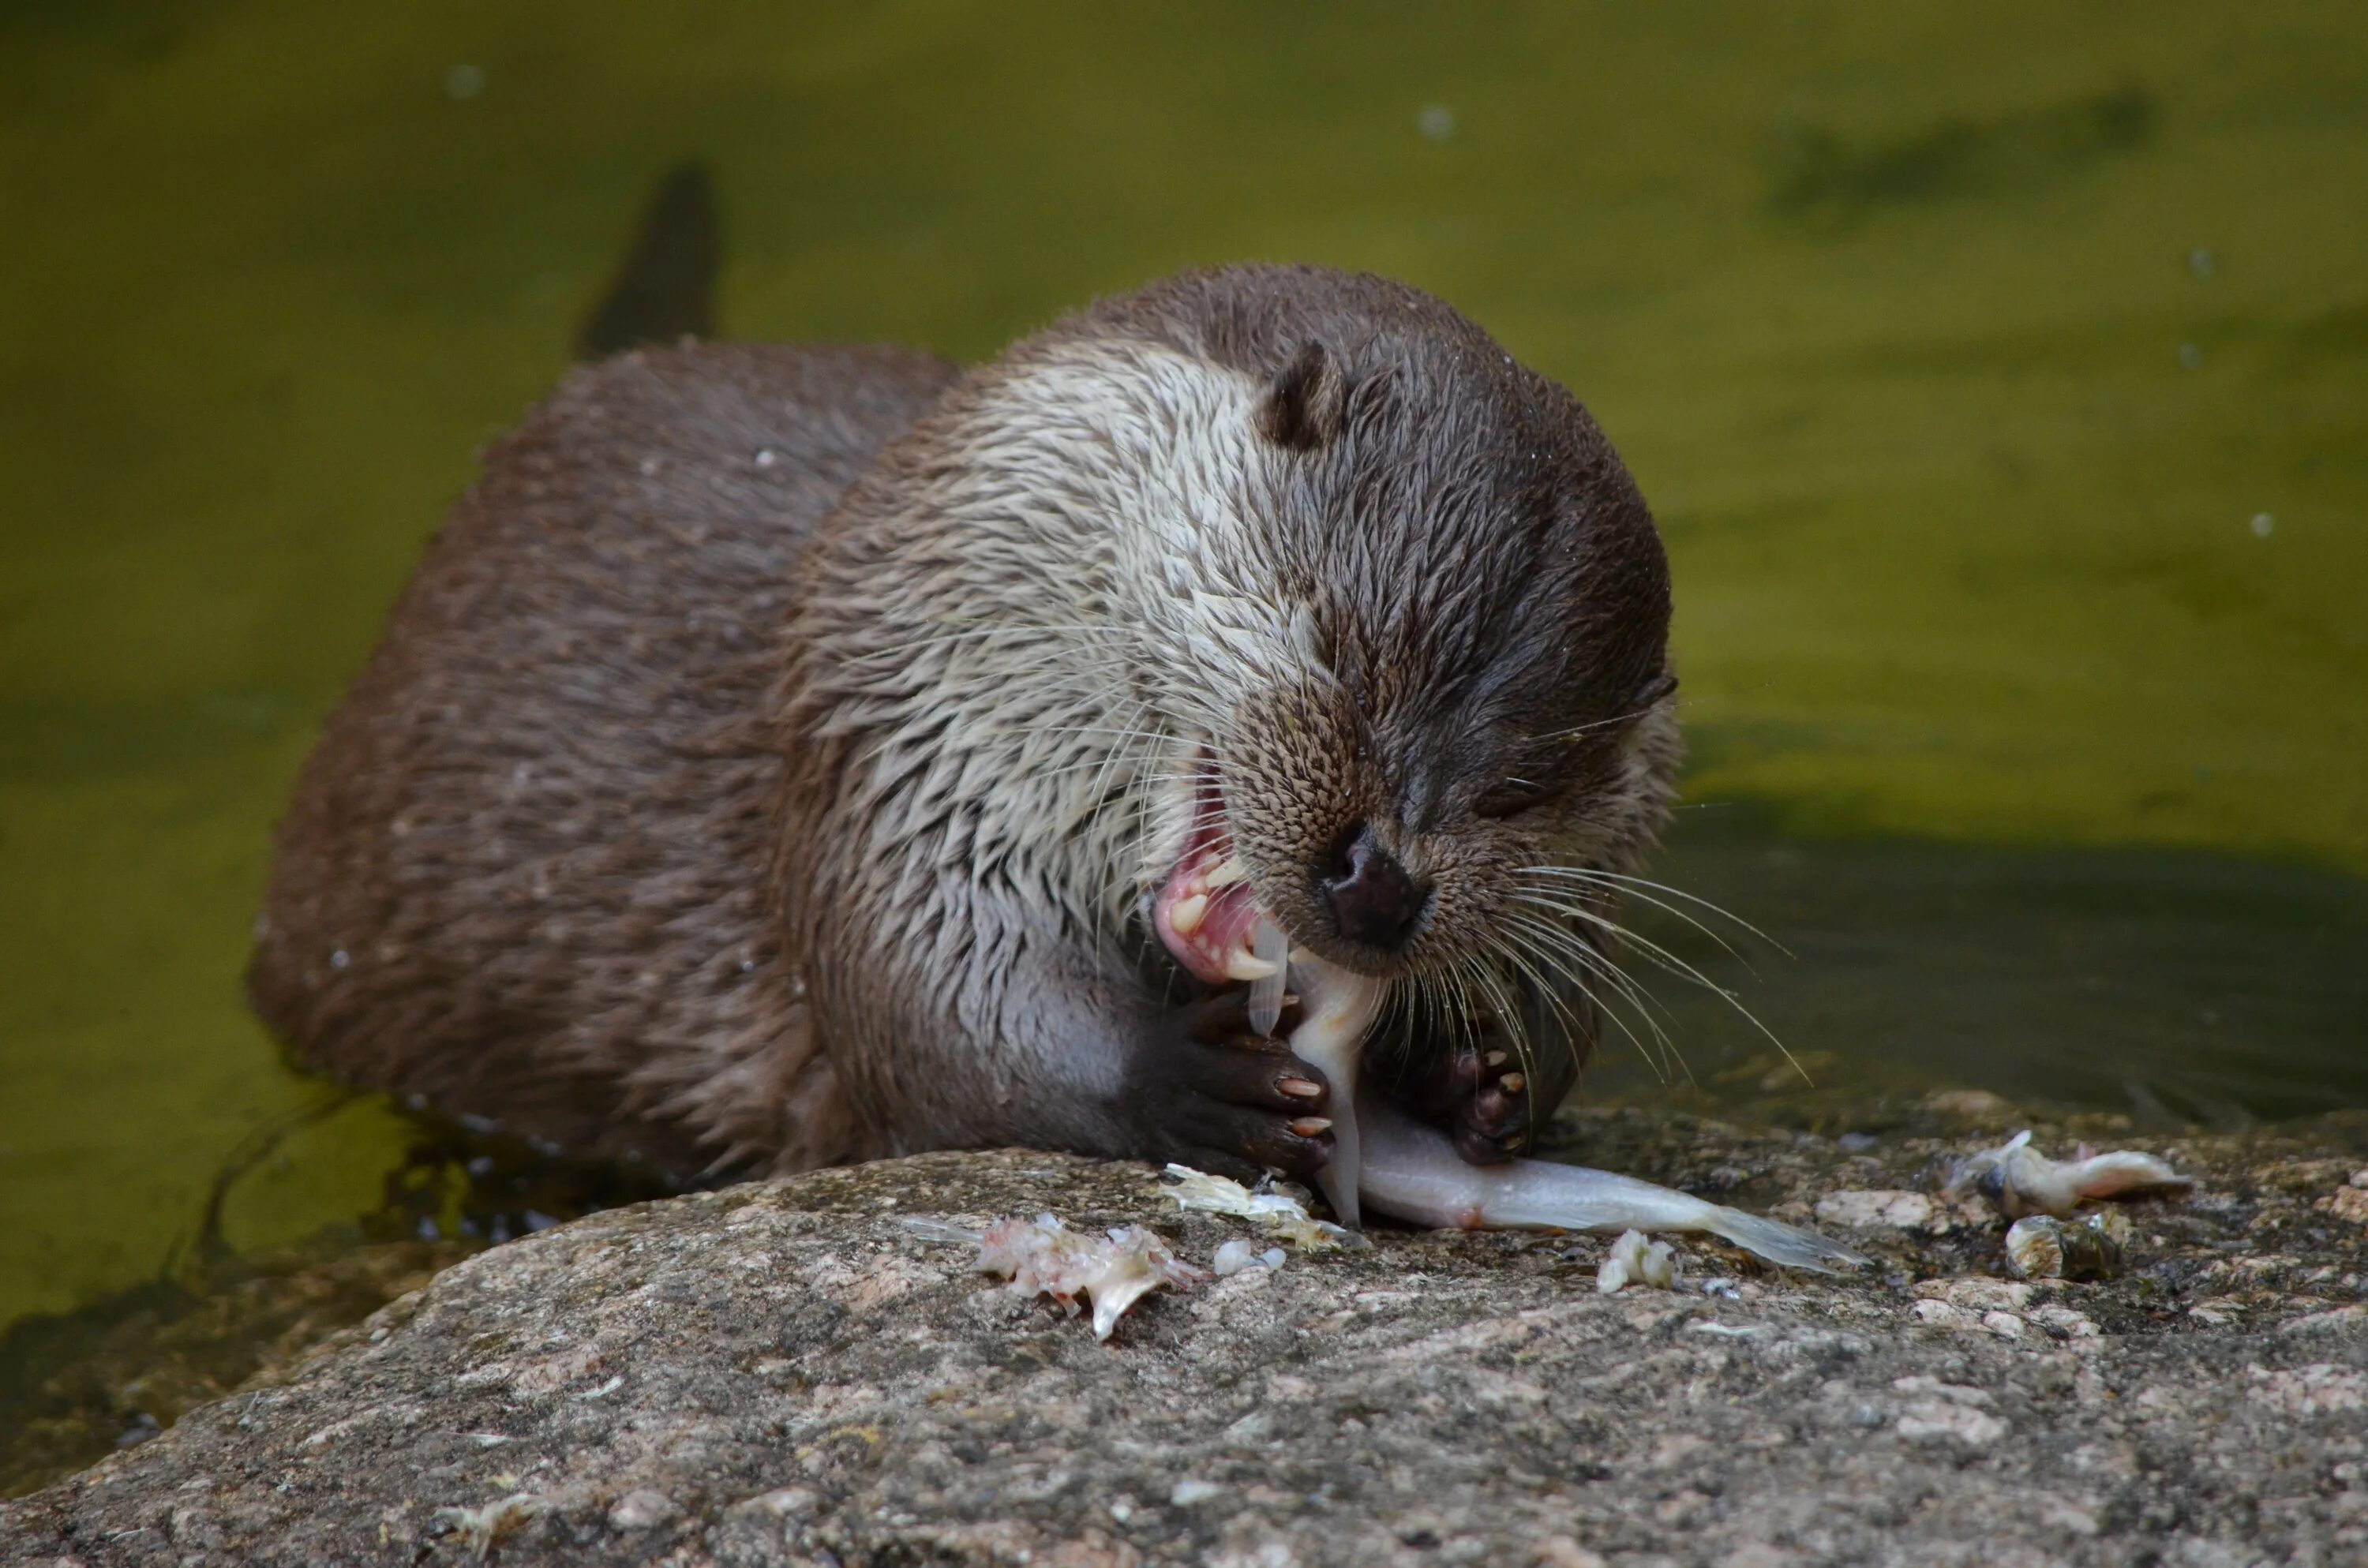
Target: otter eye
{"x":1510,"y":797}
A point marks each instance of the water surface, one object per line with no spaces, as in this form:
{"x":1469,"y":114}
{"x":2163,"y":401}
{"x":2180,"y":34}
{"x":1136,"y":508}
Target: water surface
{"x":1997,"y":386}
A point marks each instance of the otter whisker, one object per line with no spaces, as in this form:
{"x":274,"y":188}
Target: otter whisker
{"x":1429,"y":1009}
{"x":1554,"y":888}
{"x":1508,"y":1017}
{"x":1052,"y":731}
{"x":1663,"y":959}
{"x":1436,"y":993}
{"x":1588,"y":960}
{"x":1545,"y":988}
{"x":1462,"y":1014}
{"x":1091,"y":765}
{"x":1658,"y":955}
{"x":1139,"y":737}
{"x":1131,"y":747}
{"x":1518,"y":949}
{"x":1598,"y":874}
{"x":1189,"y":777}
{"x":1630,"y":717}
{"x":1120,"y":892}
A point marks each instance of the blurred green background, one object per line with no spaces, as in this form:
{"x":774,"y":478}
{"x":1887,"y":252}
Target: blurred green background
{"x":1998,"y":383}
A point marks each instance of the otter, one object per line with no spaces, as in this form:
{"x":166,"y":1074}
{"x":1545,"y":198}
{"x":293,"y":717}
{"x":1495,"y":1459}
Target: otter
{"x":792,"y":755}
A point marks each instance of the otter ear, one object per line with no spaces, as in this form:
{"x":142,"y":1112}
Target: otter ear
{"x":1304,"y":405}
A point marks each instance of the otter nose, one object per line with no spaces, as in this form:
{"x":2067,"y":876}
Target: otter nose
{"x":1373,"y":901}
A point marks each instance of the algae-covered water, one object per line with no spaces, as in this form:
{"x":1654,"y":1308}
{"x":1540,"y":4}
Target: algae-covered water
{"x":1999,"y":383}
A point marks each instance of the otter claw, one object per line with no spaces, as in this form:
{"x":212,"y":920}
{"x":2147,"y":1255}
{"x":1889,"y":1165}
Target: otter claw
{"x":1483,"y":1107}
{"x":1209,"y":1086}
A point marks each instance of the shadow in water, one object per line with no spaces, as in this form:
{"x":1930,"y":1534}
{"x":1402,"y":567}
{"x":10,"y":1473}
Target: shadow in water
{"x":2173,"y":986}
{"x":665,"y":288}
{"x":1827,"y":177}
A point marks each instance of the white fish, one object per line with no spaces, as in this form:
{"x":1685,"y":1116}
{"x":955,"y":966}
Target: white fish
{"x":1336,"y":1011}
{"x":1042,"y":1256}
{"x":1411,"y":1171}
{"x":1283,"y":1216}
{"x":2021,"y":1180}
{"x":1238,"y":1255}
{"x":1632,"y":1260}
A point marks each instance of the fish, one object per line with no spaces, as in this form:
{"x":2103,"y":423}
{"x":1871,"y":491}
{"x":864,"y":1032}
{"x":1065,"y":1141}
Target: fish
{"x":2021,"y":1181}
{"x":1386,"y":1161}
{"x":1043,"y":1257}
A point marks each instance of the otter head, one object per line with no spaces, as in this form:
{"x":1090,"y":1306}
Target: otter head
{"x":1409,"y":617}
{"x":1267,"y":591}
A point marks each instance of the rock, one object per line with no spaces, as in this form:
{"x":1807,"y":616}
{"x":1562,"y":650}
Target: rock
{"x":1968,"y":1103}
{"x":116,"y":1373}
{"x":642,"y":1510}
{"x":1857,"y":1210}
{"x":784,"y":1373}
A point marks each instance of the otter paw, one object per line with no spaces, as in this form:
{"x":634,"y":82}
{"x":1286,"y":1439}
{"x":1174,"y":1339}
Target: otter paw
{"x":1479,"y":1094}
{"x":1220,"y":1096}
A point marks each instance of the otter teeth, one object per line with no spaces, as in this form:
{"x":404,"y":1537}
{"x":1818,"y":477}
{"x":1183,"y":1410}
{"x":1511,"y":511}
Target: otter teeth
{"x":1271,"y":949}
{"x":1185,"y":916}
{"x":1227,"y":872}
{"x":1241,"y":964}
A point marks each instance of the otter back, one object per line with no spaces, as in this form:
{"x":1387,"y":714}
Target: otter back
{"x":522,"y":874}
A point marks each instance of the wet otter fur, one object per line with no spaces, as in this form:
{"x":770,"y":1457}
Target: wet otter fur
{"x":792,"y":755}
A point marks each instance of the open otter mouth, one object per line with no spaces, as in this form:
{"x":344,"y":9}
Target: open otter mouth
{"x":1205,"y":912}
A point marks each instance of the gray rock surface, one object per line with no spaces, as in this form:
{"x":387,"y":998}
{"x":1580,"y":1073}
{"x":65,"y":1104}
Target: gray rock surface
{"x":784,"y":1373}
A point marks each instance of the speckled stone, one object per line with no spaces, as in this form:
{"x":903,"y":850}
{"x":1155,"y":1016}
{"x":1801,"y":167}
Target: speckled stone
{"x":783,"y":1373}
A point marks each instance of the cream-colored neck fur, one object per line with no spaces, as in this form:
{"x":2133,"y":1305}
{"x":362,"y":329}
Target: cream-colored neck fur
{"x":1082,"y":588}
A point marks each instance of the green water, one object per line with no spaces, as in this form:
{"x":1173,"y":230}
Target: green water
{"x":1999,"y":383}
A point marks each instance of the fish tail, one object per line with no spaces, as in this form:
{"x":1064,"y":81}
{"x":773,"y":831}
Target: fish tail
{"x":1788,"y":1245}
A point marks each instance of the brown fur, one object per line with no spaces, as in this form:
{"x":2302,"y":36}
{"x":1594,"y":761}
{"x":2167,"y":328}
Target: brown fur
{"x":548,"y":863}
{"x":536,"y":827}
